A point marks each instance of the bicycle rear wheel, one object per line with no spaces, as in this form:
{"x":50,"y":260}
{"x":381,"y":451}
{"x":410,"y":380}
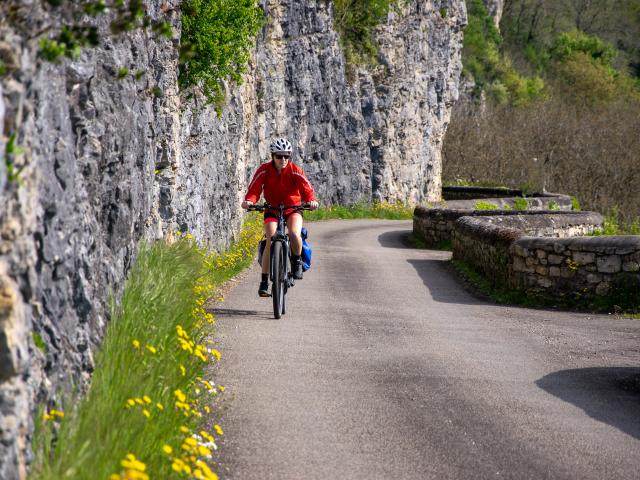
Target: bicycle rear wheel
{"x":277,"y":289}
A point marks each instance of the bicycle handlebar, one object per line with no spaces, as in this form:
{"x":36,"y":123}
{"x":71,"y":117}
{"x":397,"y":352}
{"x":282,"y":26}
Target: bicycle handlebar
{"x":263,"y":207}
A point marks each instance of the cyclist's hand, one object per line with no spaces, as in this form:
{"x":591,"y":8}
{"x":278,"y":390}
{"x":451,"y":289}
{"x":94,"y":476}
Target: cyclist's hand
{"x":246,"y":204}
{"x":313,"y":205}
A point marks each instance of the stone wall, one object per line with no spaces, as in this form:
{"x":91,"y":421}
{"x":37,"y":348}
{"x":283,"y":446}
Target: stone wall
{"x":108,"y":163}
{"x":435,"y":223}
{"x":485,"y":242}
{"x":574,"y":268}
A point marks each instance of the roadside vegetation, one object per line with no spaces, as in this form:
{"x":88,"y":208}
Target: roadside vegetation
{"x":556,"y":104}
{"x":389,"y":211}
{"x":150,"y":409}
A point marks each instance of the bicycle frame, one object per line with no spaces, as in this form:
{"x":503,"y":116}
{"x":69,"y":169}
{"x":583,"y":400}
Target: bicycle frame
{"x":280,"y":258}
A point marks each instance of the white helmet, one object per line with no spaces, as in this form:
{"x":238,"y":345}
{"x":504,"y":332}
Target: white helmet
{"x":281,"y":146}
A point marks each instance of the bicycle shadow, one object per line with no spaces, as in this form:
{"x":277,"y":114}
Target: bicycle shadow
{"x":241,"y":314}
{"x":610,"y":395}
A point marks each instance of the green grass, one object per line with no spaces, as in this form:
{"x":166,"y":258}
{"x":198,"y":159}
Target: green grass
{"x":520,"y":204}
{"x":153,"y":356}
{"x":387,"y":211}
{"x":481,"y":205}
{"x":614,"y":226}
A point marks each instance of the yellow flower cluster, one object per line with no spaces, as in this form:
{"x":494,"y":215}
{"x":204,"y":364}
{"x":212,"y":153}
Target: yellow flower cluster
{"x":134,"y":469}
{"x":194,"y":450}
{"x":53,"y":415}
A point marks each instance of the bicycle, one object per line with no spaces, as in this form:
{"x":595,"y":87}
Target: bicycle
{"x":280,"y":261}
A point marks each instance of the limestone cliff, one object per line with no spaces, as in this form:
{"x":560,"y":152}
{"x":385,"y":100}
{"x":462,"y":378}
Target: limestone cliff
{"x":110,"y":162}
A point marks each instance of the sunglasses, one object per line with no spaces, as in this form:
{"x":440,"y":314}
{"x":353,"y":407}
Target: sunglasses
{"x":282,"y":157}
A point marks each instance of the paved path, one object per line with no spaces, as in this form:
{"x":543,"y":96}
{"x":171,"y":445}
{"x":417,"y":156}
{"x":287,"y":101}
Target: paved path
{"x":385,"y":368}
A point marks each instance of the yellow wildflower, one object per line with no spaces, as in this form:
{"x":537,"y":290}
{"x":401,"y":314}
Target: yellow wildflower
{"x":131,"y":462}
{"x":167,"y":449}
{"x":146,"y":399}
{"x":180,"y":396}
{"x":131,"y":402}
{"x":146,"y":413}
{"x":183,"y":370}
{"x":204,"y":451}
{"x":184,"y":429}
{"x":136,"y":344}
{"x":218,"y":429}
{"x":160,"y":406}
{"x":151,"y":348}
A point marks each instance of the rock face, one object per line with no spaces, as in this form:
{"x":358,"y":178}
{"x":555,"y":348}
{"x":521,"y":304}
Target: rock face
{"x":110,"y":162}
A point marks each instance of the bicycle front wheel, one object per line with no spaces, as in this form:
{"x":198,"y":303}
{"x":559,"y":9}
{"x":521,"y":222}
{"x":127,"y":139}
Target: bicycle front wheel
{"x":278,"y":287}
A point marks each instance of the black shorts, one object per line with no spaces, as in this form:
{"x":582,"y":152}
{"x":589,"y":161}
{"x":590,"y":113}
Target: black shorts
{"x":273,"y":217}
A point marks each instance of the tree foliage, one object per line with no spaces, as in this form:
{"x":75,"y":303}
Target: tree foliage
{"x":217,"y":36}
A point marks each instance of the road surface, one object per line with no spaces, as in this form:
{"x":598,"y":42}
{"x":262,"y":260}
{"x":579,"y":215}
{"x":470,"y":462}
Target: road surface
{"x":384,"y":367}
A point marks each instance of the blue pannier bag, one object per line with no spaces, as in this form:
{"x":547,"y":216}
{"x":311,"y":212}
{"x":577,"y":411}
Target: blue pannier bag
{"x":306,"y":251}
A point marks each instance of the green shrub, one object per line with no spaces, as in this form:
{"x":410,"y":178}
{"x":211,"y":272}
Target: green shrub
{"x":482,"y":205}
{"x":520,"y":204}
{"x":216,"y":38}
{"x":570,"y":43}
{"x":356,"y":20}
{"x":553,"y":205}
{"x":575,"y":204}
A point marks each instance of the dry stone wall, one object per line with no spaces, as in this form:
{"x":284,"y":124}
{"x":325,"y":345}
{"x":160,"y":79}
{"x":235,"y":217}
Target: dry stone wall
{"x":588,"y":267}
{"x":108,"y":163}
{"x":546,"y":254}
{"x":435,"y":223}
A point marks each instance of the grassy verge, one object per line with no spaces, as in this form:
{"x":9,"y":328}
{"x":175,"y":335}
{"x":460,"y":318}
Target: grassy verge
{"x":148,"y":412}
{"x":389,"y":211}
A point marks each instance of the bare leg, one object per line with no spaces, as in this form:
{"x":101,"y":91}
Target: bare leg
{"x":269,"y":231}
{"x":294,"y":225}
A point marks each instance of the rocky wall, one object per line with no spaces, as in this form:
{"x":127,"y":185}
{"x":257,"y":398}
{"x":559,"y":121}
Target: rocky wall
{"x":435,"y":223}
{"x":108,"y":162}
{"x":578,"y":268}
{"x":485,"y":242}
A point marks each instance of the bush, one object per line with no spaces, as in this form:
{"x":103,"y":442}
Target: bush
{"x":216,"y":38}
{"x":568,"y":44}
{"x":356,"y":20}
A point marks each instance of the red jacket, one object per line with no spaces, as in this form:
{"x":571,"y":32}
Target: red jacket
{"x":290,"y":187}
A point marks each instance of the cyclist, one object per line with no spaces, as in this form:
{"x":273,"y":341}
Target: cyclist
{"x":281,"y":181}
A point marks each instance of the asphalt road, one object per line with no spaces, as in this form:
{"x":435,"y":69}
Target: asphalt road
{"x":384,"y":367}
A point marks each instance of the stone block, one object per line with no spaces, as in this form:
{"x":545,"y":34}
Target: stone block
{"x":530,"y":262}
{"x":609,"y":264}
{"x":520,"y":251}
{"x":631,"y":266}
{"x":541,"y":270}
{"x":554,"y":271}
{"x":555,"y":259}
{"x":559,"y":247}
{"x":594,"y":278}
{"x":541,"y":253}
{"x":519,"y":264}
{"x":584,"y":258}
{"x":545,"y":282}
{"x":566,"y":272}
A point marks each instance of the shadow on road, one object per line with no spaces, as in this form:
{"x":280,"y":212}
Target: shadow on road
{"x":443,"y":287}
{"x":609,"y":395}
{"x":231,"y":312}
{"x":395,"y":239}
